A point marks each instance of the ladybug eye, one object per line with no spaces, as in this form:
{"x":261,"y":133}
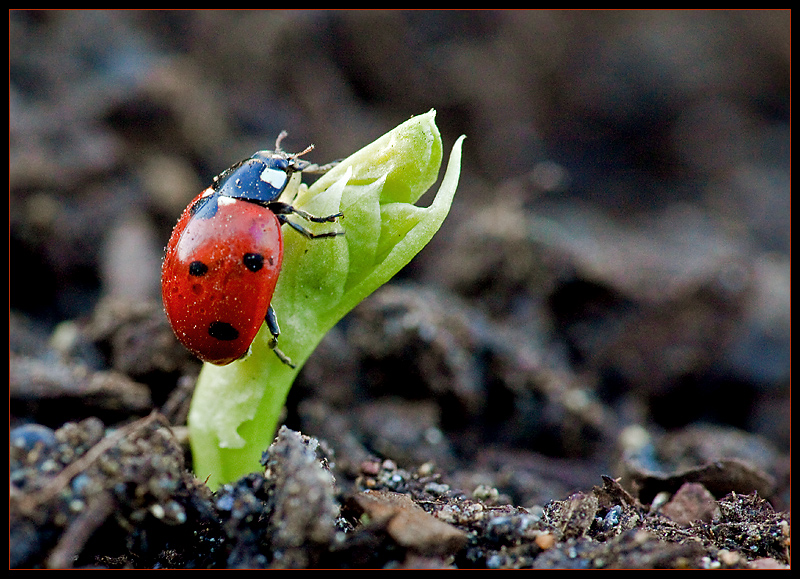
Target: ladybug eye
{"x":197,"y":268}
{"x":253,"y":261}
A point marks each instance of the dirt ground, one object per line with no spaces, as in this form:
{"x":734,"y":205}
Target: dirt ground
{"x":587,"y":368}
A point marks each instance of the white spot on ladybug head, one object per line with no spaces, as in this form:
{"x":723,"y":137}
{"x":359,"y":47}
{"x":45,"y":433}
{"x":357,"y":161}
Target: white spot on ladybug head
{"x":275,"y":177}
{"x":227,"y":200}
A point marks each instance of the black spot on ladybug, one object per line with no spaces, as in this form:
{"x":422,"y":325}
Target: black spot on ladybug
{"x":222,"y":331}
{"x":253,"y":261}
{"x":198,"y":268}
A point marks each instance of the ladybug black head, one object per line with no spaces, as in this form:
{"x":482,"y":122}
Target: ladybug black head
{"x":261,"y":179}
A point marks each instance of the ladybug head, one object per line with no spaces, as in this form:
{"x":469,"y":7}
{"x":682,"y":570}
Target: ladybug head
{"x":263,"y":177}
{"x":290,"y":161}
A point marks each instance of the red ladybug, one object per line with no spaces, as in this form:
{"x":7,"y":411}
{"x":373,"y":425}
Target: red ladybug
{"x":224,"y":257}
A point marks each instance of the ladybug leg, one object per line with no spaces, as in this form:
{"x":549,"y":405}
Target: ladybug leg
{"x":272,"y":326}
{"x":306,"y":233}
{"x":281,"y":210}
{"x":320,"y":169}
{"x":314,"y":218}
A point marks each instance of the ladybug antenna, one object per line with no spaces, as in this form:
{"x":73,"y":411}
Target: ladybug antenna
{"x":303,"y":152}
{"x":281,"y":137}
{"x":278,"y":148}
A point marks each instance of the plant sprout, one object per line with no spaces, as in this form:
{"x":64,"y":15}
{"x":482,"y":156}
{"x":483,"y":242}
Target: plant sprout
{"x":236,"y":408}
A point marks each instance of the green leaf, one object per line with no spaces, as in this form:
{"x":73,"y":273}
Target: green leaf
{"x":236,"y":408}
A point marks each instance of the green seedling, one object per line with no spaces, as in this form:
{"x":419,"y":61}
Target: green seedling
{"x":236,"y":408}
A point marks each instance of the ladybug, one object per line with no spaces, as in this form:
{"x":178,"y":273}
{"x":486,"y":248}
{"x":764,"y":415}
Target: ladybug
{"x":224,"y":256}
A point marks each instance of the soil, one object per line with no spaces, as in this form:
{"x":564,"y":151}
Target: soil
{"x":587,"y":368}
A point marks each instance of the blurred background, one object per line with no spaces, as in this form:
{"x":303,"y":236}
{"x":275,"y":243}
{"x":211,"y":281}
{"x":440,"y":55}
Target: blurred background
{"x":618,"y":254}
